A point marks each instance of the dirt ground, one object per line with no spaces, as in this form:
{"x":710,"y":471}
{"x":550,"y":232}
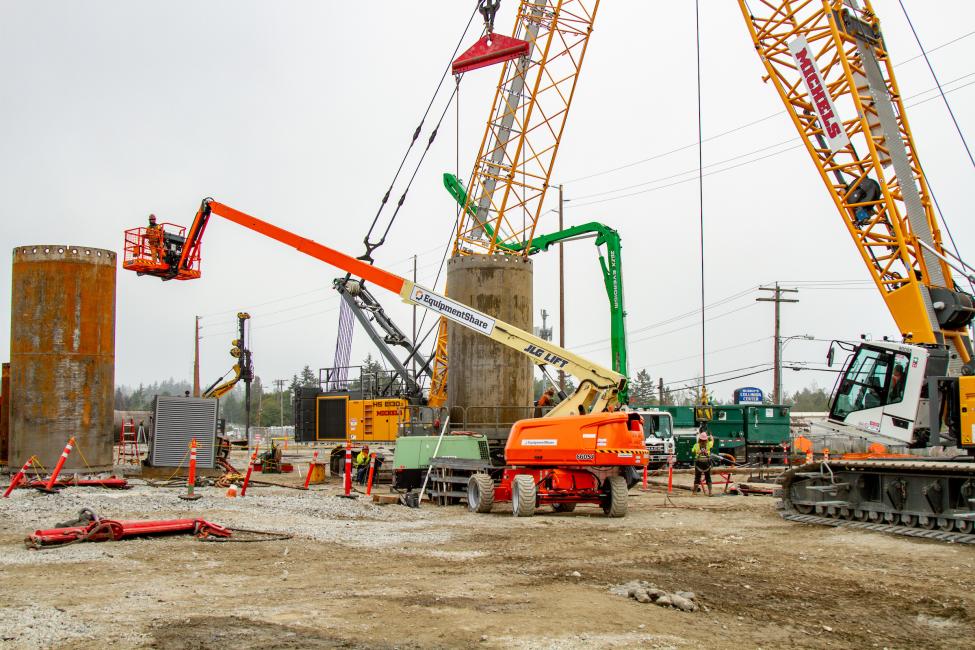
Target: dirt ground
{"x":362,"y":575}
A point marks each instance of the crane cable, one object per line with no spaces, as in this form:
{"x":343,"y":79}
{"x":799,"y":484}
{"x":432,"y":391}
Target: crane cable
{"x":700,"y":187}
{"x":954,"y":120}
{"x":371,"y":245}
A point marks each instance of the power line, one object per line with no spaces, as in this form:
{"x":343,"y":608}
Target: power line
{"x":673,"y":331}
{"x":743,"y":126}
{"x":742,"y":164}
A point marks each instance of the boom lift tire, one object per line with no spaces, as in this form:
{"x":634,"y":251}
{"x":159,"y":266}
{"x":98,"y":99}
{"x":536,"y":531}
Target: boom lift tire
{"x":614,"y":504}
{"x":523,"y":496}
{"x":563,"y":507}
{"x":480,"y":493}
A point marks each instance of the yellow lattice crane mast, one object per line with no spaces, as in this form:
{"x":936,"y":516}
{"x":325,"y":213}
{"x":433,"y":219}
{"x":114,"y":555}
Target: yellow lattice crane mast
{"x":517,"y":153}
{"x":829,"y":63}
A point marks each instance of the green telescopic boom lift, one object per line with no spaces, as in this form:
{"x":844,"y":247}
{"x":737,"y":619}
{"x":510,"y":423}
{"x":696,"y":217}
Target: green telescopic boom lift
{"x":610,"y":263}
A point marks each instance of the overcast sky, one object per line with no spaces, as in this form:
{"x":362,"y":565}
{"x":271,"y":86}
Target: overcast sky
{"x":299,"y":112}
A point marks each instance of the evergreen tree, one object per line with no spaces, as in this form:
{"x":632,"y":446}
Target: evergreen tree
{"x":642,"y":392}
{"x":307,"y":377}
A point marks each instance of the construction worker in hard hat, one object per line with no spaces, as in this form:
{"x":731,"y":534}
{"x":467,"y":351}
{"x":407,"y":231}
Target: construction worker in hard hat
{"x":154,"y":237}
{"x":702,"y":459}
{"x":362,"y":465}
{"x":543,"y":402}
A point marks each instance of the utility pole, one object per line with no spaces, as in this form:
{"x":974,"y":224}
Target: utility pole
{"x":561,"y":289}
{"x":414,"y":322}
{"x":279,"y":383}
{"x":660,"y":391}
{"x":777,"y":350}
{"x":196,"y":359}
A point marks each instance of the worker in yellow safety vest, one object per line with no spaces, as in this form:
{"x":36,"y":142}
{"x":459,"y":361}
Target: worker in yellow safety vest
{"x":362,"y":465}
{"x":702,"y":459}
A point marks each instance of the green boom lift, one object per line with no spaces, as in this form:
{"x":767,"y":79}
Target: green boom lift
{"x":611,"y":265}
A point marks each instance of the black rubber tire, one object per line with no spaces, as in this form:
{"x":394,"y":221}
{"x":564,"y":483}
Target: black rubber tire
{"x":563,"y":507}
{"x":480,"y":493}
{"x":614,"y":501}
{"x":523,"y":495}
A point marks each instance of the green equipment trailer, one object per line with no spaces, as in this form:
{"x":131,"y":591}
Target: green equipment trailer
{"x":750,"y":433}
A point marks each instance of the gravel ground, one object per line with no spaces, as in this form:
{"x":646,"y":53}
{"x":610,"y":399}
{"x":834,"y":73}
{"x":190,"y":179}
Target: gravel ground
{"x":357,"y":574}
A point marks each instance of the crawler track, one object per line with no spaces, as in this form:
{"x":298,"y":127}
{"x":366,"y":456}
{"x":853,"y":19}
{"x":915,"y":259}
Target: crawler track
{"x":928,"y":499}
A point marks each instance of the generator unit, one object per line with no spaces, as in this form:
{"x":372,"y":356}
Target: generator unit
{"x":356,"y":411}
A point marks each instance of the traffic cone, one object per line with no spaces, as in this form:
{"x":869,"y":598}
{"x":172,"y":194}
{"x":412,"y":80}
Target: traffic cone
{"x":191,"y":476}
{"x":372,"y":469}
{"x":232,"y":491}
{"x":311,"y":466}
{"x":18,"y":478}
{"x":49,"y":487}
{"x":247,"y":476}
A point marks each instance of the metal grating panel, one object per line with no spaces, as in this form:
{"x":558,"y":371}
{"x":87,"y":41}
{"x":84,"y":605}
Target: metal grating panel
{"x":176,"y":421}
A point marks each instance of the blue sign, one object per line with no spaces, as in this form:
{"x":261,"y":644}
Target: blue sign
{"x":749,"y":395}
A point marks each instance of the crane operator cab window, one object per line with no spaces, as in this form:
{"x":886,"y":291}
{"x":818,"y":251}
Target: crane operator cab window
{"x":874,"y":378}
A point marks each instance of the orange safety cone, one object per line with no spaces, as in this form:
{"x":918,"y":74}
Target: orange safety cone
{"x":311,"y":465}
{"x":348,"y":469}
{"x":191,"y":475}
{"x":809,"y":457}
{"x":247,"y":476}
{"x":49,"y":487}
{"x":826,"y":454}
{"x":372,"y":470}
{"x":232,"y":491}
{"x":18,"y":478}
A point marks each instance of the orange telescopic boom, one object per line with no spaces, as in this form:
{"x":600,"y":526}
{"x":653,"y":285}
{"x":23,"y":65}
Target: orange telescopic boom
{"x":180,"y":260}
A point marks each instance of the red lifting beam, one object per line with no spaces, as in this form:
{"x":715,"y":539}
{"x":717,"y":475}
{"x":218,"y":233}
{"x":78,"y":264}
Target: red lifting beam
{"x":108,"y":529}
{"x":490,"y":49}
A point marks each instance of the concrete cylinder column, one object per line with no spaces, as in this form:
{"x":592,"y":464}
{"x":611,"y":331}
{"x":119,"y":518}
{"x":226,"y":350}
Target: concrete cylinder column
{"x":484,"y":374}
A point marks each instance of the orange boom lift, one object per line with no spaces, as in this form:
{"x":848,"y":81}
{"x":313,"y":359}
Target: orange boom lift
{"x":575,"y":454}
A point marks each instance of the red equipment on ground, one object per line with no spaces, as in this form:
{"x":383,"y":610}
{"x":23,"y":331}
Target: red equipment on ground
{"x":91,"y":528}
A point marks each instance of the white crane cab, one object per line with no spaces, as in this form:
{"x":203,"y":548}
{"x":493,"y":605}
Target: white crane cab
{"x":883,"y":391}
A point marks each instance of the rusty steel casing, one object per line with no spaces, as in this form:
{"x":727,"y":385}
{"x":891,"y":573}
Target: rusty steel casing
{"x":62,"y":355}
{"x":5,"y":414}
{"x":488,"y":382}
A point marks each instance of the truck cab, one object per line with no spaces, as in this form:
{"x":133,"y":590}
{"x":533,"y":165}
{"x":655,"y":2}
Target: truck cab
{"x":659,"y":429}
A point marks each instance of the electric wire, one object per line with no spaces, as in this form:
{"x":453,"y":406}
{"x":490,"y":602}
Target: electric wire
{"x":954,"y":120}
{"x":700,"y":180}
{"x":927,"y":60}
{"x":745,"y":126}
{"x":798,"y":145}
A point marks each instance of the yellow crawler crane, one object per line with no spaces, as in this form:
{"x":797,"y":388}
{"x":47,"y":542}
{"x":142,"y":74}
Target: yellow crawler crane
{"x":830,"y":66}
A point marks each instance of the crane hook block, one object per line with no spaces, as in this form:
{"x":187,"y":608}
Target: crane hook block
{"x":488,"y":50}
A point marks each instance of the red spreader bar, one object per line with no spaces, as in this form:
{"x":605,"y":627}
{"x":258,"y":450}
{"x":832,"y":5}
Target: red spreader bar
{"x":109,"y":529}
{"x":110,"y":483}
{"x":490,"y":49}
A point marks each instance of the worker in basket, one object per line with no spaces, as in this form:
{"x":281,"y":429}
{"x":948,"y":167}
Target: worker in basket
{"x":362,"y":465}
{"x":154,"y":238}
{"x":702,"y":459}
{"x":544,"y":401}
